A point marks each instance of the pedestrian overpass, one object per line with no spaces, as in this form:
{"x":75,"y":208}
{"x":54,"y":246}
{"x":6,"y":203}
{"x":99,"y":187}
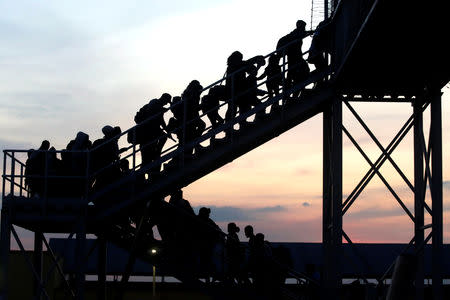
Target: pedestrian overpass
{"x":383,"y":51}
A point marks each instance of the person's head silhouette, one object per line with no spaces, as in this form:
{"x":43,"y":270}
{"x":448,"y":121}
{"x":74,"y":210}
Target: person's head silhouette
{"x":45,"y":145}
{"x":204,"y":212}
{"x":235,"y":58}
{"x":233,"y":228}
{"x":301,"y":25}
{"x":248,"y":230}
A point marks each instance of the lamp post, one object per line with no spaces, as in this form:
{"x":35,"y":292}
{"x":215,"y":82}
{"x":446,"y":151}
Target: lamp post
{"x":154,"y":274}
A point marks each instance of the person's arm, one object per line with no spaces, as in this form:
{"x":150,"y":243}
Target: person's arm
{"x":262,"y":75}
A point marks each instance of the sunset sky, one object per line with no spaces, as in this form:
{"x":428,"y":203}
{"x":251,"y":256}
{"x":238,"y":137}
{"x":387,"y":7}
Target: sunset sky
{"x":69,"y":66}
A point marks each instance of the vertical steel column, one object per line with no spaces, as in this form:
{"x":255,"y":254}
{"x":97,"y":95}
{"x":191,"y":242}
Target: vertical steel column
{"x":37,"y":263}
{"x":80,"y":259}
{"x":419,"y":197}
{"x":5,"y":244}
{"x":102,"y":255}
{"x":436,"y":192}
{"x":336,"y":179}
{"x":326,"y":194}
{"x":332,"y":206}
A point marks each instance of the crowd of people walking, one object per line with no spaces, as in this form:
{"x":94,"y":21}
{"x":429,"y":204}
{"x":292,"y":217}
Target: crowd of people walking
{"x":89,"y":167}
{"x":241,"y":92}
{"x":197,"y":245}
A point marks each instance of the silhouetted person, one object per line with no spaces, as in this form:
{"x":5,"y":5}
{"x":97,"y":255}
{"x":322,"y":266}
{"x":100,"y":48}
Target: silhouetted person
{"x":161,"y":214}
{"x":235,"y":83}
{"x":263,"y":278}
{"x":252,"y":90}
{"x":194,"y":125}
{"x":175,"y":123}
{"x":124,"y":166}
{"x":54,"y":167}
{"x":248,"y":231}
{"x":66,"y":168}
{"x":182,"y":218}
{"x":241,"y":90}
{"x":79,"y":164}
{"x":291,"y":46}
{"x":177,"y":200}
{"x":208,"y":239}
{"x":105,"y":157}
{"x":36,"y":169}
{"x":204,"y":215}
{"x":210,"y":104}
{"x":274,"y":76}
{"x":320,"y":46}
{"x":150,"y":132}
{"x":29,"y":170}
{"x":234,"y":254}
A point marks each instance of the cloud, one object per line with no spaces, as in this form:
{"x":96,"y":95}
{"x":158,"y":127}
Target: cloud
{"x":306,"y":204}
{"x":10,"y":144}
{"x":446,"y":185}
{"x":375,"y":212}
{"x":303,"y":172}
{"x":232,"y":213}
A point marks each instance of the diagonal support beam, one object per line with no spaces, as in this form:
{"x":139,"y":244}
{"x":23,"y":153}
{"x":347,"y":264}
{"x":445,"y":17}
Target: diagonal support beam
{"x":28,"y":261}
{"x":132,"y":257}
{"x":58,"y":267}
{"x":379,"y":175}
{"x":379,"y":162}
{"x":38,"y":258}
{"x":383,"y":150}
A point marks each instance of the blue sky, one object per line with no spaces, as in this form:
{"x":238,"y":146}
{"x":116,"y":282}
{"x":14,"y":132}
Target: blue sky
{"x":67,"y":66}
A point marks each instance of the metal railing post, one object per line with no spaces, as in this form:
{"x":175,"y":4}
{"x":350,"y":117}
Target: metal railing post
{"x":233,"y":105}
{"x":87,"y":176}
{"x":4,"y":174}
{"x":45,"y":196}
{"x":21,"y":181}
{"x":13,"y":171}
{"x":183,"y":142}
{"x":283,"y":79}
{"x":134,"y":149}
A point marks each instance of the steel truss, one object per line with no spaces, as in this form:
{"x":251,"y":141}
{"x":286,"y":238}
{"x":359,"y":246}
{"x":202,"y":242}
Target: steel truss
{"x":76,"y":221}
{"x":40,"y":278}
{"x":427,"y":172}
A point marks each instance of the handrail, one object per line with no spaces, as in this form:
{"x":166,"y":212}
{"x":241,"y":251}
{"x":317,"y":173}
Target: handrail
{"x":209,"y":134}
{"x":295,"y":274}
{"x":228,"y":76}
{"x":118,"y":136}
{"x":189,"y":122}
{"x":179,"y":147}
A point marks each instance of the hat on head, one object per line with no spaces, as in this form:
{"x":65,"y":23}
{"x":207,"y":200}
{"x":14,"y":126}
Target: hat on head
{"x":116,"y":130}
{"x":165,"y":98}
{"x":301,"y":23}
{"x":233,"y":227}
{"x":107,"y":130}
{"x":204,"y":211}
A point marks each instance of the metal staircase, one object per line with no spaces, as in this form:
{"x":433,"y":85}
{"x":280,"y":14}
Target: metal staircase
{"x":182,"y":162}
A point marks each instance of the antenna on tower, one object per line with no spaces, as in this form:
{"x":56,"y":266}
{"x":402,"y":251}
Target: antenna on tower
{"x":320,"y":10}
